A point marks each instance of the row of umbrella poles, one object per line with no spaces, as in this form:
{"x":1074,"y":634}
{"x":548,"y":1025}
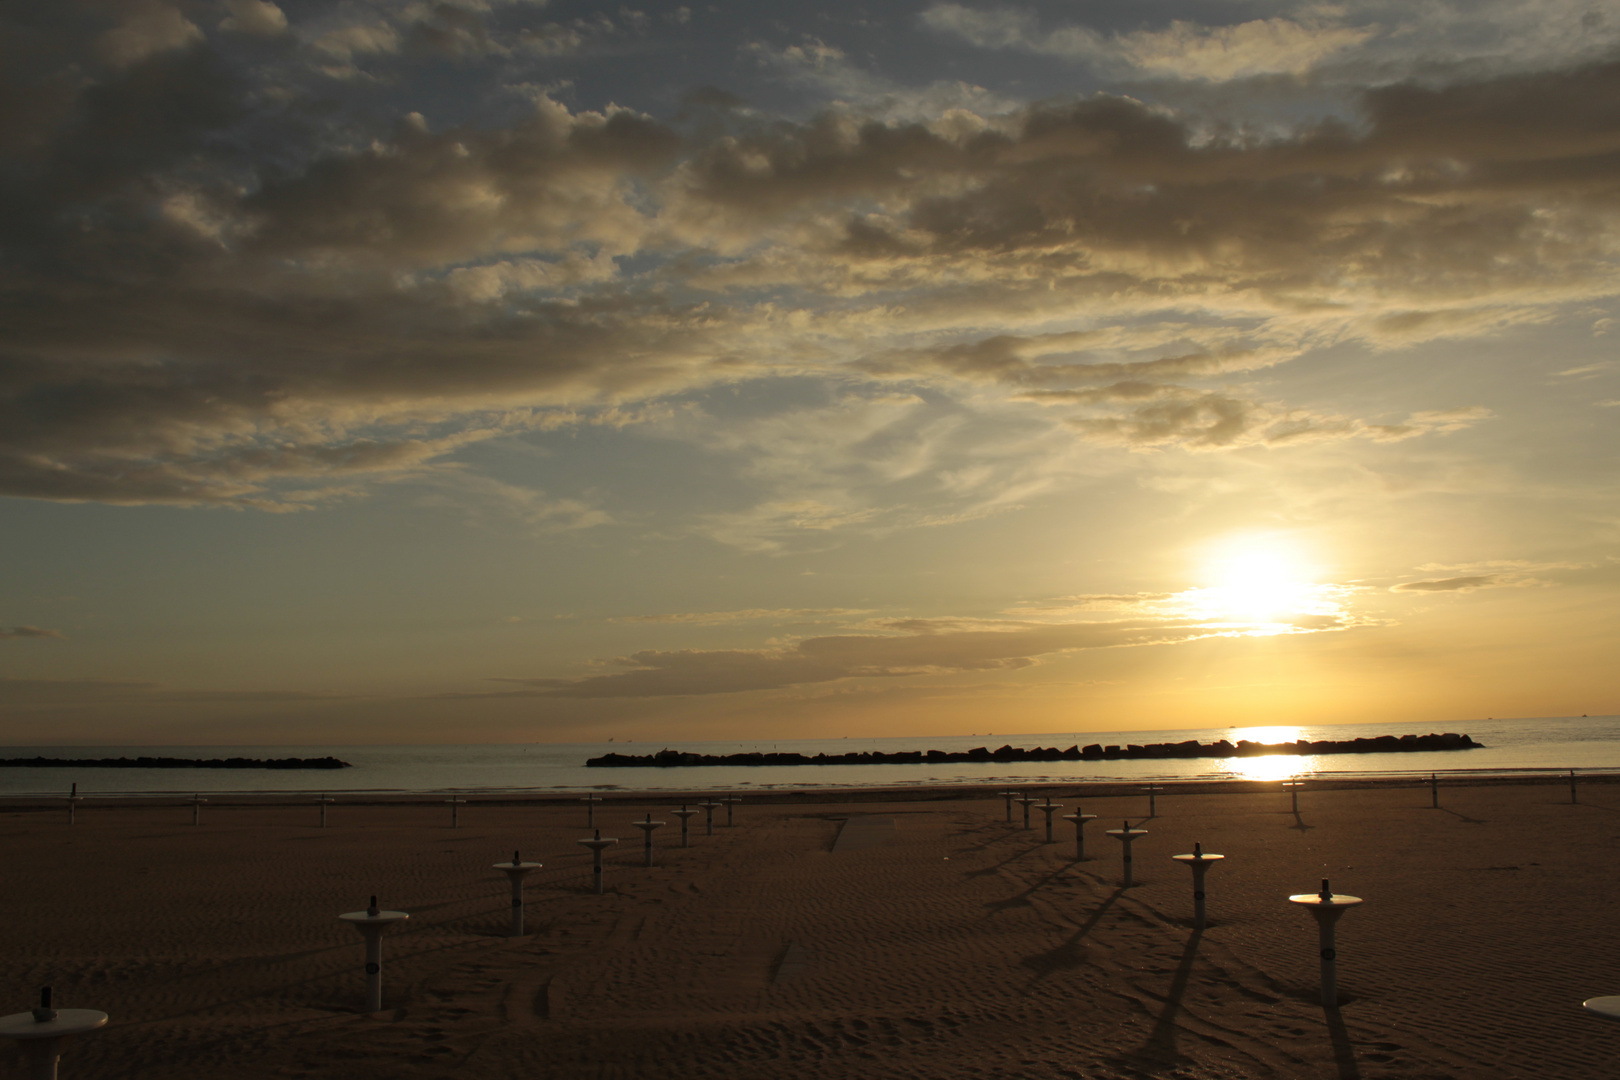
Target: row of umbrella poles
{"x":44,"y":1029}
{"x":455,"y":802}
{"x":1326,"y":906}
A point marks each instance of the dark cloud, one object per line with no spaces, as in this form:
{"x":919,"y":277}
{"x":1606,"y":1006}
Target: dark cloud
{"x":931,"y":647}
{"x":1454,"y":584}
{"x":72,"y":691}
{"x":49,"y":691}
{"x":28,"y":632}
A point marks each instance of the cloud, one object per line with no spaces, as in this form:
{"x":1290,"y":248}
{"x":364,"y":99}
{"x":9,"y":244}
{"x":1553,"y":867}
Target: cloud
{"x":299,"y":295}
{"x":922,"y":647}
{"x":484,"y":500}
{"x":1360,"y":41}
{"x":721,"y":618}
{"x":149,"y":27}
{"x":1455,"y":584}
{"x":1183,"y":50}
{"x":76,"y":691}
{"x":1489,"y":574}
{"x":827,"y":70}
{"x":261,"y":17}
{"x":52,"y":691}
{"x":13,"y":632}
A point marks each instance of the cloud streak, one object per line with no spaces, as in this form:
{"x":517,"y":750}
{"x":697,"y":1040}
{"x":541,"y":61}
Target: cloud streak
{"x":17,"y":632}
{"x":916,"y":647}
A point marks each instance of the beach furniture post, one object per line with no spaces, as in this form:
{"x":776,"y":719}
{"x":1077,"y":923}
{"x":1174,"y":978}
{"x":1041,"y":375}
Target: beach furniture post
{"x":1606,"y":1007}
{"x":516,"y":871}
{"x":1200,"y":864}
{"x":41,"y":1032}
{"x":730,"y":801}
{"x":1152,"y":794}
{"x":73,"y":797}
{"x":1572,"y":799}
{"x":708,"y":816}
{"x":596,"y":844}
{"x":324,"y":800}
{"x":1327,"y":907}
{"x":1009,"y":796}
{"x":196,"y":809}
{"x":683,"y":813}
{"x":1293,"y":787}
{"x":1048,"y":808}
{"x":1079,"y":820}
{"x":372,"y":923}
{"x":647,"y":828}
{"x":456,"y":803}
{"x":1026,"y":801}
{"x":1434,"y":791}
{"x":1127,"y":835}
{"x":590,"y":802}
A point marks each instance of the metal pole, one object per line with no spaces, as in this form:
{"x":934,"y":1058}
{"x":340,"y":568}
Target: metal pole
{"x":1434,"y":790}
{"x":45,"y":1054}
{"x":373,"y":973}
{"x":1330,"y":961}
{"x":373,"y":935}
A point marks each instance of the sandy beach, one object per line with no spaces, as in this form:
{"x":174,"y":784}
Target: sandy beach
{"x":950,"y":945}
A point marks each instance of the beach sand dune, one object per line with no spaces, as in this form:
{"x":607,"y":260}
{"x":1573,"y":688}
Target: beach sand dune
{"x":944,"y":944}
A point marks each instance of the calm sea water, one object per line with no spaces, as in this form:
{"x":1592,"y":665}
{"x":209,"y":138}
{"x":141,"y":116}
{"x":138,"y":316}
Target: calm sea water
{"x":1537,"y":743}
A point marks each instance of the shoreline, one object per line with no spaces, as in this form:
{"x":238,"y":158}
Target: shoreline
{"x":938,"y":792}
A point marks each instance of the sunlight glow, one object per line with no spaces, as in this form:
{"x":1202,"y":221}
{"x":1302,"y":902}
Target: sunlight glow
{"x":1262,"y":586}
{"x":1263,"y":734}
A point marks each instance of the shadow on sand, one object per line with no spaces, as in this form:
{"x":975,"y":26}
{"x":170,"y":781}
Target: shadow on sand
{"x":1069,"y":954}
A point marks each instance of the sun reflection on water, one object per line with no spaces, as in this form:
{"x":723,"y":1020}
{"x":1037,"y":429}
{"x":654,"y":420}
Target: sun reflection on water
{"x":1269,"y":766}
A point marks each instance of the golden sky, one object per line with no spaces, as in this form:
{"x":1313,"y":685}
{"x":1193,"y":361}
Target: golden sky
{"x":496,"y":370}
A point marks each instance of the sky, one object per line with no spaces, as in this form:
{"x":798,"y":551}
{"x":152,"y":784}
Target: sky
{"x":479,"y":371}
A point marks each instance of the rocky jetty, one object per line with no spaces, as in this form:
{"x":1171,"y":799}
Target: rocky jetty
{"x":1192,"y":748}
{"x":174,"y":763}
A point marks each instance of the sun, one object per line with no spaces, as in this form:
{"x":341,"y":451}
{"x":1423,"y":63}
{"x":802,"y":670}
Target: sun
{"x":1262,"y":583}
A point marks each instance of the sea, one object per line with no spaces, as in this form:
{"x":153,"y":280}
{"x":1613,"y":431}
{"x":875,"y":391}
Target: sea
{"x":1524,"y":745}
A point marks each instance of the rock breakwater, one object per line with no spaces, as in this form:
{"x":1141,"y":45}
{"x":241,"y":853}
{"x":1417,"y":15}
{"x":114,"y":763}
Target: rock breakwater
{"x":1192,"y":748}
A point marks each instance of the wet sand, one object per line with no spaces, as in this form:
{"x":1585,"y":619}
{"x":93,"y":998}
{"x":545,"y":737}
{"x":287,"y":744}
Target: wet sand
{"x":952,"y":945}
